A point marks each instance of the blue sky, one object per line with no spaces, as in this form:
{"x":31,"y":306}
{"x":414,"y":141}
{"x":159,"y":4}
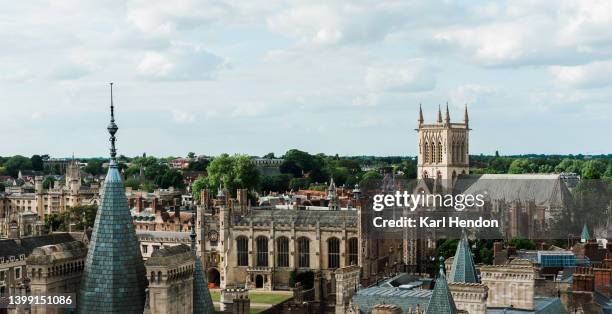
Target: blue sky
{"x":340,"y":77}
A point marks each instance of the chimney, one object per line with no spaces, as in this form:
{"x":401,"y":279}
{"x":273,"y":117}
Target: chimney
{"x":139,"y":204}
{"x":243,"y":200}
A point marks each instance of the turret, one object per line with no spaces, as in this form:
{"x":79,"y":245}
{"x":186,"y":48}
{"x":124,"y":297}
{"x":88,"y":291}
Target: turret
{"x":421,"y":120}
{"x":447,"y":118}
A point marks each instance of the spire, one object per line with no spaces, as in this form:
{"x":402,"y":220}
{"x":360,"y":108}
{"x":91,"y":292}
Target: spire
{"x":439,"y":114}
{"x":202,"y":301}
{"x":447,"y":118}
{"x":465,"y":116}
{"x":585,"y":236}
{"x":113,"y":278}
{"x":112,"y":129}
{"x":421,"y":120}
{"x":463,"y":265}
{"x":441,"y":300}
{"x":332,"y":185}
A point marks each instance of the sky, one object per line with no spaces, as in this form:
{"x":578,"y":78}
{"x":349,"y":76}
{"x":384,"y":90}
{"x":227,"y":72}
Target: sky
{"x":337,"y":77}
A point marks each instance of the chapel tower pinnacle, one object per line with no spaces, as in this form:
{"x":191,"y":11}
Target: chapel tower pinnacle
{"x":443,"y":147}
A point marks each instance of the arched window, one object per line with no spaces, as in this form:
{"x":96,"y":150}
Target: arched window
{"x":303,"y":252}
{"x":439,"y":151}
{"x":282,"y":252}
{"x":242,"y":244}
{"x":426,"y":153}
{"x":262,"y":251}
{"x":333,"y":252}
{"x":353,"y":251}
{"x":432,"y":151}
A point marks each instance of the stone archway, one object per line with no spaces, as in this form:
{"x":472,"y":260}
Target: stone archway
{"x":214,"y":278}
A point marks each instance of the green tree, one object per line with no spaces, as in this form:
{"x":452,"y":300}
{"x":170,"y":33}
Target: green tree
{"x":593,"y":169}
{"x":56,"y":222}
{"x":148,"y":186}
{"x":522,"y":165}
{"x":275,"y":183}
{"x":370,"y":177}
{"x":197,"y":186}
{"x":486,"y":255}
{"x":545,"y":169}
{"x":83,"y":216}
{"x":291,"y":167}
{"x":232,"y":172}
{"x":48,"y":182}
{"x":191,"y":155}
{"x":94,"y":167}
{"x":409,"y":168}
{"x":16,"y":163}
{"x":170,"y":178}
{"x":37,"y":162}
{"x":299,"y":184}
{"x":569,"y":165}
{"x":132,"y":183}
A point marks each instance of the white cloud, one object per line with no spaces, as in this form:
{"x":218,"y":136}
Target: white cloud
{"x":410,"y":76}
{"x":521,"y":33}
{"x":248,"y":110}
{"x":182,"y":117}
{"x":596,"y":74}
{"x":470,"y":94}
{"x":181,"y":62}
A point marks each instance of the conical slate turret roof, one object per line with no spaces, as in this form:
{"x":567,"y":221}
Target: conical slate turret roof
{"x":114,"y":275}
{"x":585,"y":236}
{"x":463,"y":269}
{"x":441,"y":301}
{"x":202,"y":301}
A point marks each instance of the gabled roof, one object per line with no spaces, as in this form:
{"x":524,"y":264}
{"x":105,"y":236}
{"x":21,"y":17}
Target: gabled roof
{"x":441,"y":301}
{"x":547,"y":190}
{"x":463,"y":269}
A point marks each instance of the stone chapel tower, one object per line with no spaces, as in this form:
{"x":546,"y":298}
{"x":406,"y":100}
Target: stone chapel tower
{"x":443,"y":147}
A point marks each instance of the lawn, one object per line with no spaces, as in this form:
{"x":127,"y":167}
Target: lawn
{"x":258,"y":297}
{"x":252,"y":311}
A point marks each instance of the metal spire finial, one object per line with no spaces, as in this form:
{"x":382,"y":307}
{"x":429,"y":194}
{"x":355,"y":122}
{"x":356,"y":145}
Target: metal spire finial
{"x":193,"y":232}
{"x":112,"y":130}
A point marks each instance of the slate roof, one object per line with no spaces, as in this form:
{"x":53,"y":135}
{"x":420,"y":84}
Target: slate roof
{"x":202,"y":300}
{"x":366,"y":299}
{"x":170,"y":255}
{"x":544,"y":189}
{"x":11,"y":247}
{"x":114,"y":275}
{"x":441,"y":301}
{"x":585,"y":233}
{"x":463,"y":265}
{"x":542,"y":305}
{"x":326,"y":218}
{"x":52,"y":253}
